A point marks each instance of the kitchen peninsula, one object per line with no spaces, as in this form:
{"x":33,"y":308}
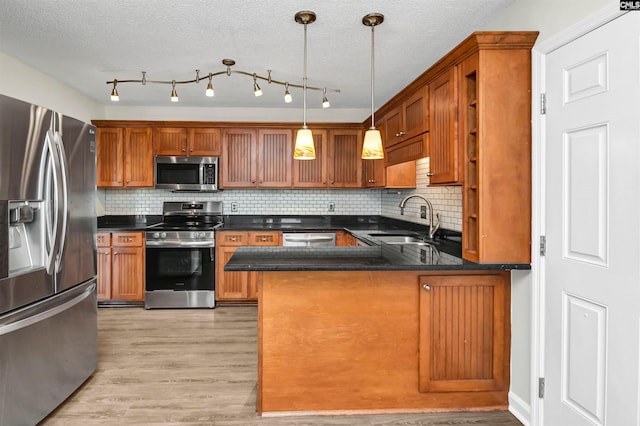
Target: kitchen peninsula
{"x":387,"y":327}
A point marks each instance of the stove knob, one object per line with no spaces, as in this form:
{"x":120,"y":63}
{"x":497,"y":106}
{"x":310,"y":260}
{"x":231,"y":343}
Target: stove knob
{"x":156,"y":235}
{"x":163,"y":235}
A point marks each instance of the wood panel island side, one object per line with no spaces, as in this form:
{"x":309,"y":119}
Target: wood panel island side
{"x":365,"y":330}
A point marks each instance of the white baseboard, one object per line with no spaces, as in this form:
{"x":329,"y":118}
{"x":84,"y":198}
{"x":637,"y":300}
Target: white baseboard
{"x":520,"y":409}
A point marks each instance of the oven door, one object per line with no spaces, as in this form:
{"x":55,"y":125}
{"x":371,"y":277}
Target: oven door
{"x":180,"y":277}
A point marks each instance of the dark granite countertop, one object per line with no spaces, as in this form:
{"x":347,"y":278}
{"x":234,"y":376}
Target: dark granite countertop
{"x":384,"y":257}
{"x":123,"y":223}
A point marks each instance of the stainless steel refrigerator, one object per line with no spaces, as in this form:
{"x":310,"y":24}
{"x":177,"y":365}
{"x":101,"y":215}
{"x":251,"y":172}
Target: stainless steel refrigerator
{"x":48,"y":316}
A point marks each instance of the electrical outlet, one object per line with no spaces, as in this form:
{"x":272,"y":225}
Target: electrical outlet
{"x":423,"y":212}
{"x":332,"y":207}
{"x":234,"y":207}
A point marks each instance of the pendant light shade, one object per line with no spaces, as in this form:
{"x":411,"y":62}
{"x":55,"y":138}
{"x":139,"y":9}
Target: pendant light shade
{"x":304,"y":149}
{"x":372,"y":146}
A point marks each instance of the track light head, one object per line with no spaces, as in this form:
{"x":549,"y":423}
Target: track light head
{"x":209,"y":92}
{"x":257,"y":91}
{"x":287,"y":96}
{"x":174,"y":94}
{"x":114,"y":93}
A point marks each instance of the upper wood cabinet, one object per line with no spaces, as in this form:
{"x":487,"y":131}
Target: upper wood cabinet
{"x":402,"y":175}
{"x":345,"y":162}
{"x":124,"y":157}
{"x":198,"y":141}
{"x":275,"y":154}
{"x":495,"y":144}
{"x":256,"y":158}
{"x":239,"y":158}
{"x":313,"y":173}
{"x":444,"y":159}
{"x":408,"y":119}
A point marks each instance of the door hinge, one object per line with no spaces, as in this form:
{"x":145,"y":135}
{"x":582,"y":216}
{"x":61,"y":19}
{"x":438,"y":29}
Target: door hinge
{"x":543,"y":103}
{"x":541,"y":387}
{"x":543,"y":245}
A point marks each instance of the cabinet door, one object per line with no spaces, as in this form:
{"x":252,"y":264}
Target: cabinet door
{"x":415,"y":114}
{"x":204,"y":142}
{"x":373,"y":172}
{"x":239,"y":158}
{"x":229,"y":285}
{"x":275,"y":153}
{"x":344,"y":238}
{"x":443,"y":101}
{"x":109,"y":157}
{"x":138,"y":159}
{"x":104,"y":273}
{"x":393,"y":127}
{"x":464,"y":333}
{"x":127,"y":280}
{"x":345,"y":162}
{"x":313,"y":173}
{"x":170,"y":141}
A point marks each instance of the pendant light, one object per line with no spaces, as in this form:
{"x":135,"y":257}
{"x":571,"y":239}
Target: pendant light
{"x":372,"y":145}
{"x":304,"y":149}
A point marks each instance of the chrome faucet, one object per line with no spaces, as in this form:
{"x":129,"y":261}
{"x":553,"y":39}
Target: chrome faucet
{"x":432,"y":228}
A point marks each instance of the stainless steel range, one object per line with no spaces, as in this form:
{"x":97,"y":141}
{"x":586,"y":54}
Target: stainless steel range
{"x":180,"y":255}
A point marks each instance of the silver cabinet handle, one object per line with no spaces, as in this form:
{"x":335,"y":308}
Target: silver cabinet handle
{"x":426,"y":287}
{"x":429,"y":174}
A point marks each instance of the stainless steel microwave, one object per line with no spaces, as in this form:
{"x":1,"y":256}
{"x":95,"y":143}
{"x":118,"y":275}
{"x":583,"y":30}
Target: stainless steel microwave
{"x":186,"y":173}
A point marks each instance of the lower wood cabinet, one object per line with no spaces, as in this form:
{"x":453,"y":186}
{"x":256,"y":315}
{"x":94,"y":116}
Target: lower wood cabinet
{"x":239,"y":286}
{"x":464,"y":333}
{"x":121,"y":266}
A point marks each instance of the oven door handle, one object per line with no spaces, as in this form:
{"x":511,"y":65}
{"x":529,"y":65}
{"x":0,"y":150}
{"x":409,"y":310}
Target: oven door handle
{"x":180,"y":244}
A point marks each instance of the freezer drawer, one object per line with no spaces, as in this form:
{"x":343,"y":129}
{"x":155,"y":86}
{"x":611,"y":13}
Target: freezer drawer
{"x":48,"y":350}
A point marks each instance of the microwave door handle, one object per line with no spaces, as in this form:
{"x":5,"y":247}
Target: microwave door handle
{"x":202,"y":173}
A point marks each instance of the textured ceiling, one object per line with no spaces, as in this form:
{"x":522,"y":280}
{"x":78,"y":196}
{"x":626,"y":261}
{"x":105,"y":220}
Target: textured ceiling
{"x":87,"y":43}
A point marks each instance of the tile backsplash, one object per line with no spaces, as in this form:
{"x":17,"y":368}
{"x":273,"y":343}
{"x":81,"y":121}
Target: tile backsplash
{"x":446,"y":200}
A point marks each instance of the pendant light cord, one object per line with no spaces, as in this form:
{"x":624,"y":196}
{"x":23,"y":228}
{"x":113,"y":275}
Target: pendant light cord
{"x":373,"y":124}
{"x":304,"y":82}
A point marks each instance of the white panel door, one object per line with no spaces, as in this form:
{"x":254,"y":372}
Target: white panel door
{"x":592,"y":193}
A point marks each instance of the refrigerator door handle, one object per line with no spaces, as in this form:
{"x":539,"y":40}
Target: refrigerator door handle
{"x":64,"y":194}
{"x":52,"y":187}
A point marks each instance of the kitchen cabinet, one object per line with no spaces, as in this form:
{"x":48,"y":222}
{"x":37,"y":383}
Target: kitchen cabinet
{"x":494,"y":122}
{"x":445,"y":159}
{"x":402,"y":175}
{"x":124,"y":157}
{"x":256,"y":158}
{"x":313,"y":173}
{"x":180,"y":141}
{"x":275,"y":155}
{"x":239,"y":287}
{"x":464,"y":333}
{"x":345,"y":162}
{"x":407,"y":120}
{"x":121,"y":266}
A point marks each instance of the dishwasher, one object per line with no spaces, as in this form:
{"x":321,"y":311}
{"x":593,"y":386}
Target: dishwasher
{"x":309,"y":239}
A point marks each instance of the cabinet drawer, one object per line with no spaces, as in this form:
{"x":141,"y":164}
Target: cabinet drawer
{"x":264,"y":238}
{"x":127,"y":239}
{"x":103,"y":239}
{"x":229,"y":238}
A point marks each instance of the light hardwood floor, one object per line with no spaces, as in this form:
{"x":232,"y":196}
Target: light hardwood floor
{"x":197,"y":367}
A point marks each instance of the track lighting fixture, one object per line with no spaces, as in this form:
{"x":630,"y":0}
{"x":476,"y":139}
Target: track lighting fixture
{"x":304,"y":148}
{"x":228,"y":63}
{"x":256,"y":88}
{"x":287,"y":95}
{"x":209,"y":92}
{"x":372,"y":146}
{"x":174,"y":94}
{"x":325,"y":101}
{"x":114,"y":93}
